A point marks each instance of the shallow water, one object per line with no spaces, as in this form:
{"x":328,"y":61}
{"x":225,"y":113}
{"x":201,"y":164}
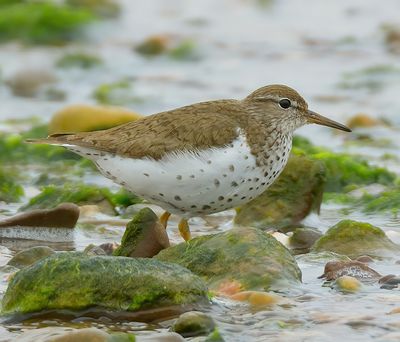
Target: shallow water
{"x":241,"y":45}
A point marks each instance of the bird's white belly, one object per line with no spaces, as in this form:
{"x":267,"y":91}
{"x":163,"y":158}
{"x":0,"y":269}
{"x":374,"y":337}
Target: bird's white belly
{"x":193,"y":184}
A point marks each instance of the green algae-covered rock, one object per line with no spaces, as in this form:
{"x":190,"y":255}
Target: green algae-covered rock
{"x":247,"y":256}
{"x":193,"y":323}
{"x":343,"y":169}
{"x":354,"y":239}
{"x":144,"y":236}
{"x":30,"y":256}
{"x":294,"y":195}
{"x":73,"y":281}
{"x":81,"y":194}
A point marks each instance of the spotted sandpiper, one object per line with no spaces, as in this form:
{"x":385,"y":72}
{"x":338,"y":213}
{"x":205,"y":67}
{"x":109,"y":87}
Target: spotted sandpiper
{"x":202,"y":158}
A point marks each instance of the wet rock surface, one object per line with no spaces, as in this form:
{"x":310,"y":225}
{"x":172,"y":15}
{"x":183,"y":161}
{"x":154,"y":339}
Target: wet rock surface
{"x":347,"y":284}
{"x":354,"y":239}
{"x":76,"y":282}
{"x":144,"y":236}
{"x":303,"y":239}
{"x":248,"y":256}
{"x":193,"y":323}
{"x":65,"y":215}
{"x":29,"y":256}
{"x":295,"y":194}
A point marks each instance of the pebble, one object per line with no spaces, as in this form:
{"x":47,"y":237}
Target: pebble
{"x":347,"y":284}
{"x":65,"y":215}
{"x":359,"y":270}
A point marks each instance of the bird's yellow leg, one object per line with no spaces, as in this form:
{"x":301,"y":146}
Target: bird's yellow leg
{"x":184,"y":229}
{"x":164,"y":218}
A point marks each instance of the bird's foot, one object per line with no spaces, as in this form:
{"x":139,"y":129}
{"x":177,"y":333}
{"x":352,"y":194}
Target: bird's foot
{"x":164,"y":218}
{"x":184,"y":229}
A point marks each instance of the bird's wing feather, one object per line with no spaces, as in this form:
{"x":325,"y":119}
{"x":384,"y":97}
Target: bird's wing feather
{"x":190,"y":128}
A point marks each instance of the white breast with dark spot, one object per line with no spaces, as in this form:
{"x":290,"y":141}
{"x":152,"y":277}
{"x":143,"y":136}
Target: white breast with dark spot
{"x":194,"y":183}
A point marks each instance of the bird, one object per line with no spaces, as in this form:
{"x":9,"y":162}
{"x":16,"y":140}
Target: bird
{"x":202,"y":158}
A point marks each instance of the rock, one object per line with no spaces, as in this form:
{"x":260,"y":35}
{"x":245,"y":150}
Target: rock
{"x":153,"y":46}
{"x":93,"y":250}
{"x":347,"y":284}
{"x":248,"y":256}
{"x":83,"y":118}
{"x":303,"y":239}
{"x":29,"y":256}
{"x":80,"y":194}
{"x":281,"y":237}
{"x":390,"y":282}
{"x":296,"y":193}
{"x":144,"y":236}
{"x":27,"y":83}
{"x":109,"y":247}
{"x":61,"y":334}
{"x":72,"y":281}
{"x":365,"y":259}
{"x":65,"y":215}
{"x":193,"y":323}
{"x":257,"y":298}
{"x":362,"y":120}
{"x":160,"y":337}
{"x":392,"y":38}
{"x":354,"y":239}
{"x":336,"y":269}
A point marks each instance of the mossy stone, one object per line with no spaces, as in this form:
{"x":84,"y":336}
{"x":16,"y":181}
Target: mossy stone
{"x":354,"y":239}
{"x":30,"y":256}
{"x":249,"y":256}
{"x":144,"y":236}
{"x":294,"y":195}
{"x":72,"y":281}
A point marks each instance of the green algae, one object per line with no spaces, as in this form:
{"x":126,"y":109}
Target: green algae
{"x":343,"y":169}
{"x":80,"y":194}
{"x":354,"y":239}
{"x":141,"y":222}
{"x":79,"y":60}
{"x":42,"y":22}
{"x":115,"y":93}
{"x":249,"y":256}
{"x":75,"y":282}
{"x":10,"y":188}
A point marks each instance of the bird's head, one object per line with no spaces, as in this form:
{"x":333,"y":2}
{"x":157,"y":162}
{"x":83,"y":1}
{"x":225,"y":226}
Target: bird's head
{"x":284,"y":107}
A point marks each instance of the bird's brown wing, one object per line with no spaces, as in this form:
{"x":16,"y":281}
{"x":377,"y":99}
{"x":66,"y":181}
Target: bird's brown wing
{"x":189,"y":128}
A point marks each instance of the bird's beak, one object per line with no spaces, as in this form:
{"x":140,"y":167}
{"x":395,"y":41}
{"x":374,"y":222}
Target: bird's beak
{"x":313,"y":117}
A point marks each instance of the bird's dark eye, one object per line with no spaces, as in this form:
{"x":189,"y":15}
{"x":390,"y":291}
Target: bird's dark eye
{"x":285,"y":103}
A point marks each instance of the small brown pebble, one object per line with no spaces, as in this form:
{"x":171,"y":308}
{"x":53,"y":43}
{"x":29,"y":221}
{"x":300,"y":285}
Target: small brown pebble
{"x":356,"y":269}
{"x":365,"y":259}
{"x":64,"y":215}
{"x":385,"y":278}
